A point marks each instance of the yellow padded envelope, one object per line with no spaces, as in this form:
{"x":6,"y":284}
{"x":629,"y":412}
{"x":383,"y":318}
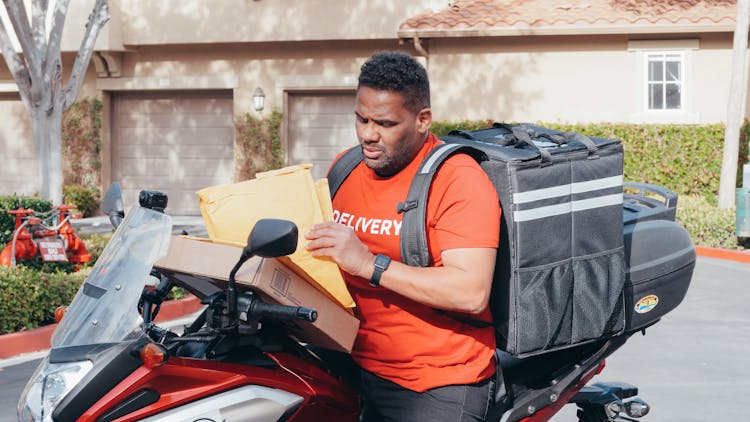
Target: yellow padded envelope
{"x":231,"y":211}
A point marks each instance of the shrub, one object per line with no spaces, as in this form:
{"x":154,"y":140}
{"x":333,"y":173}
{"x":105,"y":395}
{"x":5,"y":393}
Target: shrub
{"x":38,"y":264}
{"x":82,"y":143}
{"x":85,"y":199}
{"x":30,"y":297}
{"x":258,"y":144}
{"x":683,"y":158}
{"x":707,"y":224}
{"x":95,"y":244}
{"x":12,"y":202}
{"x":443,"y":128}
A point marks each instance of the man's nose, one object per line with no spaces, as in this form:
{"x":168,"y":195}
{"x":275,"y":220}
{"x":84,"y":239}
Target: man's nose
{"x":369,"y":133}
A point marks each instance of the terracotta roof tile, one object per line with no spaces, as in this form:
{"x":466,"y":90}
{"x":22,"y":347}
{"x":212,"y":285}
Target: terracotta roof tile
{"x":499,"y":14}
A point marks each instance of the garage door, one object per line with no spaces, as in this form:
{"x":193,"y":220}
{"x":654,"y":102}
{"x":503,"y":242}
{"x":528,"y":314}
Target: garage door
{"x":175,"y":143}
{"x":320,"y":126}
{"x":18,"y":171}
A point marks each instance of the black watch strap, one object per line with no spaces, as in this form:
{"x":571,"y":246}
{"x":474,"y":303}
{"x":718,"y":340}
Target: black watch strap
{"x":381,"y":264}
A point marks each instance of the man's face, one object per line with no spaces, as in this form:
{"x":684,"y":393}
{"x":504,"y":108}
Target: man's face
{"x":389,"y":133}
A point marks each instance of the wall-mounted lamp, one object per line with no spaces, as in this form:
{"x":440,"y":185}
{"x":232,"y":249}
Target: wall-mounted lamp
{"x":259,"y":99}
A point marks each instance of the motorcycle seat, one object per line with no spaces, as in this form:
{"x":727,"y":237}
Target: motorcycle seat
{"x":538,"y":371}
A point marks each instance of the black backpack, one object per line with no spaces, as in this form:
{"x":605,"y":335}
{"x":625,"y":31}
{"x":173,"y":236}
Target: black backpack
{"x":560,"y":267}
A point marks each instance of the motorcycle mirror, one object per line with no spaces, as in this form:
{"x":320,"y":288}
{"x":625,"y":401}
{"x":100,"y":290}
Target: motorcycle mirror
{"x":112,"y":204}
{"x":271,"y":238}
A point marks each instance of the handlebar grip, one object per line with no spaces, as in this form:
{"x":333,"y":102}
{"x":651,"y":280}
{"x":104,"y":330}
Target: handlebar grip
{"x":285,"y":312}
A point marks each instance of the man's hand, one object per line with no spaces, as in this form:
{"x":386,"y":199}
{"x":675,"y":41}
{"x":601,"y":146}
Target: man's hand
{"x":341,"y":244}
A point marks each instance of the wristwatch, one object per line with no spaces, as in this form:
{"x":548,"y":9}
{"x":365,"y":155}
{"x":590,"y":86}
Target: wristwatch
{"x":381,"y":264}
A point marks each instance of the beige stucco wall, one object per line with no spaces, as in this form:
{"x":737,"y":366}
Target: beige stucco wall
{"x":274,"y":67}
{"x":288,"y":46}
{"x":110,"y":36}
{"x":570,"y":79}
{"x":147,"y":22}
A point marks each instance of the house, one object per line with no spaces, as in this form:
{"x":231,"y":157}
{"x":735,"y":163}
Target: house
{"x":173,"y":75}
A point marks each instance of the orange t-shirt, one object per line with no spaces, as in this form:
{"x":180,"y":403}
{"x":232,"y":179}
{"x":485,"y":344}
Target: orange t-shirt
{"x":406,"y":342}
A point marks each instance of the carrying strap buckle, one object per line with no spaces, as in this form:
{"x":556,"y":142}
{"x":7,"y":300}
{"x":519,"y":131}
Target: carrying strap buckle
{"x":402,"y":207}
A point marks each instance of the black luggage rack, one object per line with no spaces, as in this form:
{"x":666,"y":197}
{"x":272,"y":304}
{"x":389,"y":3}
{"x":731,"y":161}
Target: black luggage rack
{"x":648,"y":202}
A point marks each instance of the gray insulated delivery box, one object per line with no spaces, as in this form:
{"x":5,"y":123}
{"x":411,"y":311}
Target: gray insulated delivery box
{"x":560,"y":269}
{"x":659,"y":255}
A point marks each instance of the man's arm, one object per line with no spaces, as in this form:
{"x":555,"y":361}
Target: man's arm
{"x":462,"y":284}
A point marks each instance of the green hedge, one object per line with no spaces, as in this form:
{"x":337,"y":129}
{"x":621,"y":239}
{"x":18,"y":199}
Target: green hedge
{"x":29,"y":297}
{"x":30,"y":293}
{"x":707,"y":224}
{"x":86,"y":200}
{"x":683,"y":158}
{"x":12,"y":202}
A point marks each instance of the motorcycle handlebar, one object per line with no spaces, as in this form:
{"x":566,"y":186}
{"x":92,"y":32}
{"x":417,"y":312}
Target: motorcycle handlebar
{"x":284,"y":312}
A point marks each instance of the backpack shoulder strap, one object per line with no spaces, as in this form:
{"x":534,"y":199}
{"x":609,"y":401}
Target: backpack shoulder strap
{"x":414,"y":249}
{"x":342,"y":167}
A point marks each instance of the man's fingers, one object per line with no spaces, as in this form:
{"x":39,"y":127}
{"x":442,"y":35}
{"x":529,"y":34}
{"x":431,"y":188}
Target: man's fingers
{"x":323,"y":229}
{"x":321,"y":242}
{"x":321,"y":252}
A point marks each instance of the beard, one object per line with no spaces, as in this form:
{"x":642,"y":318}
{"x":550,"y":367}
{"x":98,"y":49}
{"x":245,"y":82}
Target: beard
{"x":391,"y":160}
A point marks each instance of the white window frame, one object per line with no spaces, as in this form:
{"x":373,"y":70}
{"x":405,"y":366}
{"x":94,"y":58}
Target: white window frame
{"x":644,"y":49}
{"x":665,"y":57}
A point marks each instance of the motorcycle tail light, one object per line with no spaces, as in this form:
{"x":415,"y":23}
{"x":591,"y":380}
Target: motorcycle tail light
{"x":60,"y":312}
{"x":153,"y":355}
{"x":602,"y":364}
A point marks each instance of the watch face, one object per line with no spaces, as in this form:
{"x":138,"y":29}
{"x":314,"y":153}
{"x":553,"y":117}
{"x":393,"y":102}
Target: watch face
{"x":382,"y":261}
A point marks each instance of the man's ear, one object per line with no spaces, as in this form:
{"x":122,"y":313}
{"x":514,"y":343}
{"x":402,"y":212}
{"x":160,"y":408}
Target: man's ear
{"x":424,"y":120}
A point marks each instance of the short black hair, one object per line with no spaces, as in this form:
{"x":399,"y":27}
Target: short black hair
{"x":397,"y":72}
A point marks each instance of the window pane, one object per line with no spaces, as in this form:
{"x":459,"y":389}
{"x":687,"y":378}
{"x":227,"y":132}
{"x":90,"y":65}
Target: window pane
{"x":655,"y":70}
{"x":673,"y":71}
{"x":673,"y":96}
{"x":655,"y":96}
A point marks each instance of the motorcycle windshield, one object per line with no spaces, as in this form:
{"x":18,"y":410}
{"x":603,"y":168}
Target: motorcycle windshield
{"x":105,"y":309}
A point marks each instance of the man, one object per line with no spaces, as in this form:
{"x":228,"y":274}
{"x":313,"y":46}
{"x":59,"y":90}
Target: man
{"x":420,"y":358}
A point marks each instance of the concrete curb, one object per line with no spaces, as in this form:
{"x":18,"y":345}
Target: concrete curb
{"x":725,"y":254}
{"x":29,"y":341}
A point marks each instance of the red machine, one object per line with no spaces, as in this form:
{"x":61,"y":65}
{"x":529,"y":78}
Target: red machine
{"x":55,"y":242}
{"x":239,"y":359}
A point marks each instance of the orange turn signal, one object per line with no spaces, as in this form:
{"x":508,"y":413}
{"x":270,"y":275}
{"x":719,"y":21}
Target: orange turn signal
{"x":152,"y":355}
{"x":60,"y":312}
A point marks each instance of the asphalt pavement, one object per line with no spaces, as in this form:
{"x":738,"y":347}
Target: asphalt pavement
{"x":690,"y":367}
{"x":693,"y":365}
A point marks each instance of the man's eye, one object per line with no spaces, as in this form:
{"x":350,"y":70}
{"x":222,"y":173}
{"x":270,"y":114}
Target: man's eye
{"x":361,"y":119}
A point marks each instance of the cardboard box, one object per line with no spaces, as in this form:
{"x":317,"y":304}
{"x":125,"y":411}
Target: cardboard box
{"x":203,"y":267}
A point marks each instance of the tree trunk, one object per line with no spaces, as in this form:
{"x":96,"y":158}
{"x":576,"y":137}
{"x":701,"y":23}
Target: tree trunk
{"x":47,"y":138}
{"x":728,"y":180}
{"x":38,"y":73}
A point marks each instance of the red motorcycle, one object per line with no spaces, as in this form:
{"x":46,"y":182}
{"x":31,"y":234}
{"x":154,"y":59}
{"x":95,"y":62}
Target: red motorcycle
{"x":234,"y":362}
{"x":54,"y":241}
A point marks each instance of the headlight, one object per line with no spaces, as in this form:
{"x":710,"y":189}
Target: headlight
{"x":48,"y":386}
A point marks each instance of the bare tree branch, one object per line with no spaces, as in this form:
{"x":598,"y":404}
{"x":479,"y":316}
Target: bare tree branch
{"x":16,"y":66}
{"x":52,"y":55}
{"x":99,"y":16}
{"x":20,"y":21}
{"x":39,"y":24}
